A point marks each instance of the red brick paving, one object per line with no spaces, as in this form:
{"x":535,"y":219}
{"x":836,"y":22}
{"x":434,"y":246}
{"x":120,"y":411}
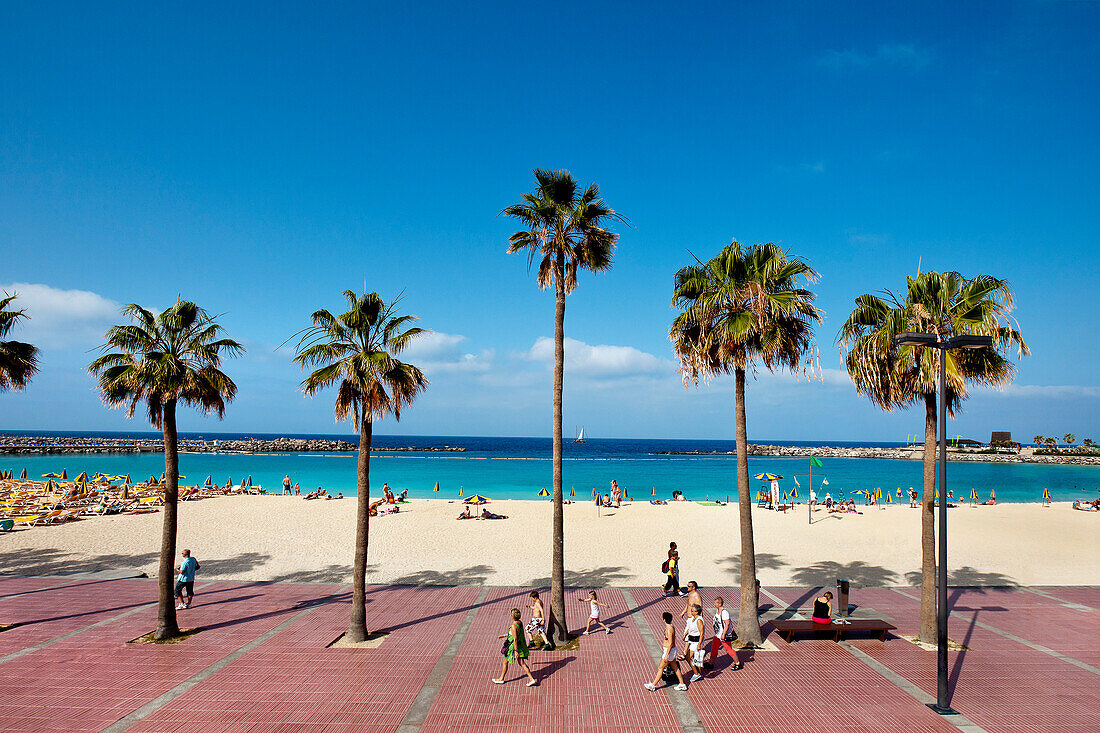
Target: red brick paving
{"x":292,"y":682}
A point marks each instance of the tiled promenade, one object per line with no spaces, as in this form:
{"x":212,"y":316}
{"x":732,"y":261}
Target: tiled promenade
{"x":260,"y":663}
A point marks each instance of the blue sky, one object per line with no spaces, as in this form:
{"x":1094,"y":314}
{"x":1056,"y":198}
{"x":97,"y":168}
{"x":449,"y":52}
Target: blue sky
{"x":261,"y":158}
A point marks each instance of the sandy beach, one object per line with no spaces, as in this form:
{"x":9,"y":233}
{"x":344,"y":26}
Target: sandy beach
{"x":284,"y":538}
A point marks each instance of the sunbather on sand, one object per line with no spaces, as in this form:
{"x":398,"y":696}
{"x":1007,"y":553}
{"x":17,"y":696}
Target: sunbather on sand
{"x":1091,"y":506}
{"x":373,"y":508}
{"x":387,"y":493}
{"x":465,"y":514}
{"x":486,"y":514}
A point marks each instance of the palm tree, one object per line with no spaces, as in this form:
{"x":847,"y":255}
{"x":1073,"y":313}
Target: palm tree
{"x":945,"y":304}
{"x":355,"y":350}
{"x":1052,"y":444}
{"x":18,"y":361}
{"x":744,"y":306}
{"x":567,"y":229}
{"x":1038,"y":441}
{"x":1069,"y":439}
{"x":163,"y":361}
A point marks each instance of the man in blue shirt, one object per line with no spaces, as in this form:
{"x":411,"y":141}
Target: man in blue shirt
{"x":185,"y":582}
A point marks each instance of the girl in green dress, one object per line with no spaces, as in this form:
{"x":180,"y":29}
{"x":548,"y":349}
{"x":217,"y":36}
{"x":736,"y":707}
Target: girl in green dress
{"x":515,"y":650}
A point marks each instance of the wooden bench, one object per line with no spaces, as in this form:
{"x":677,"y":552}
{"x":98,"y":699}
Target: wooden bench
{"x":789,"y":627}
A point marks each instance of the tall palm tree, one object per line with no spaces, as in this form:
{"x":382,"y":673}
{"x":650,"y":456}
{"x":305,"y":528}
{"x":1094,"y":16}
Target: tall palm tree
{"x":741,"y":307}
{"x":163,"y":361}
{"x":355,"y":350}
{"x":1069,"y":439}
{"x":1038,"y":440}
{"x":946,"y":304}
{"x":567,"y":230}
{"x":18,"y":361}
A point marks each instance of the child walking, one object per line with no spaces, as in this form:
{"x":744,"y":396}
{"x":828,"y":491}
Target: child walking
{"x":537,"y":626}
{"x":515,"y":650}
{"x":594,"y":614}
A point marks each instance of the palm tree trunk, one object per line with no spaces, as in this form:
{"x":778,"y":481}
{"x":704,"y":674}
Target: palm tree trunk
{"x":357,"y":629}
{"x":167,"y":627}
{"x":557,"y":621}
{"x":928,"y":526}
{"x":748,"y":623}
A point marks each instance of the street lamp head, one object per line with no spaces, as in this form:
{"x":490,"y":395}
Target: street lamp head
{"x":968,"y":341}
{"x":916,"y":339}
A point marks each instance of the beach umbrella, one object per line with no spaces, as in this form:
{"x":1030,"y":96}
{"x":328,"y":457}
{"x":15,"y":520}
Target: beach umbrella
{"x":64,"y":474}
{"x":767,"y":477}
{"x":899,"y":492}
{"x":82,"y":477}
{"x":572,"y":491}
{"x":544,"y":492}
{"x":593,"y":491}
{"x":655,"y":491}
{"x":460,"y":491}
{"x":477,"y":499}
{"x":596,"y":501}
{"x":51,"y":475}
{"x":126,"y":479}
{"x":436,"y":486}
{"x":992,"y":494}
{"x":23,"y":475}
{"x":888,"y":499}
{"x":49,"y":485}
{"x":794,"y":493}
{"x":248,"y":483}
{"x":152,"y":480}
{"x":209,"y":481}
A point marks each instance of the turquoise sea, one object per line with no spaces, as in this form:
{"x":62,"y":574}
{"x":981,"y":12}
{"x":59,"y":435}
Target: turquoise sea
{"x":516,"y":468}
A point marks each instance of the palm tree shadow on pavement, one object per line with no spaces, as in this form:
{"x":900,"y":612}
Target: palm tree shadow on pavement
{"x":969,"y":577}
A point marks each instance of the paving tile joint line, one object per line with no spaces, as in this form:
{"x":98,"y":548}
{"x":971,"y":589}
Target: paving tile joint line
{"x":157,"y":703}
{"x":681,"y":704}
{"x":422,"y":703}
{"x":1019,"y":639}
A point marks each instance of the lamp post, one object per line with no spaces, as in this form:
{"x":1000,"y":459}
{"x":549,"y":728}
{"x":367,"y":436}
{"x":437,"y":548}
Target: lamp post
{"x":932,"y":341}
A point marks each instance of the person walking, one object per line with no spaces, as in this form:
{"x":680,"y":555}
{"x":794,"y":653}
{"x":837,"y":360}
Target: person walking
{"x":693,"y":641}
{"x":668,"y":656}
{"x":672,"y":572}
{"x":515,"y":650}
{"x":286,"y":484}
{"x":594,"y":612}
{"x":693,"y":598}
{"x":537,"y":626}
{"x":185,"y":581}
{"x":724,"y":635}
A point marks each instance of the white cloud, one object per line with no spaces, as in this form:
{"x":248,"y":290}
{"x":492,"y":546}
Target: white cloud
{"x":888,"y":54}
{"x":1056,"y":391}
{"x":601,"y":360}
{"x":59,"y":318}
{"x":442,"y":352}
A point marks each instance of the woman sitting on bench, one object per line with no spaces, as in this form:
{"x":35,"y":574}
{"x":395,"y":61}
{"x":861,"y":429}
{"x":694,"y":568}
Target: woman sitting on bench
{"x":823,"y":609}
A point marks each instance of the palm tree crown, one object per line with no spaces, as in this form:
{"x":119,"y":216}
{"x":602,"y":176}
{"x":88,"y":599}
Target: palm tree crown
{"x":946,"y":304}
{"x":567,"y":227}
{"x":18,"y":361}
{"x":171,"y":357}
{"x":743,"y":304}
{"x":356,"y":349}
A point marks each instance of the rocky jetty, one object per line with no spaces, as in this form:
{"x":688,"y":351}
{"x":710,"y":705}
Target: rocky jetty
{"x":909,"y":453}
{"x":39,"y":445}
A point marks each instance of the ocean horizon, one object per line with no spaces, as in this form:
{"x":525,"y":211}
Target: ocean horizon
{"x":518,"y":468}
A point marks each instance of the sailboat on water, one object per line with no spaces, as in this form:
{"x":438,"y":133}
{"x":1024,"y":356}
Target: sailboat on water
{"x":580,"y":436}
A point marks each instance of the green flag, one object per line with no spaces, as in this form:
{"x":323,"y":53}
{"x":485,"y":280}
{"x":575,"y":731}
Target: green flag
{"x":815,"y":461}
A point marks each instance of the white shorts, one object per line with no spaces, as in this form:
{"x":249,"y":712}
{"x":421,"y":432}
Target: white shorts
{"x":669,"y":654}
